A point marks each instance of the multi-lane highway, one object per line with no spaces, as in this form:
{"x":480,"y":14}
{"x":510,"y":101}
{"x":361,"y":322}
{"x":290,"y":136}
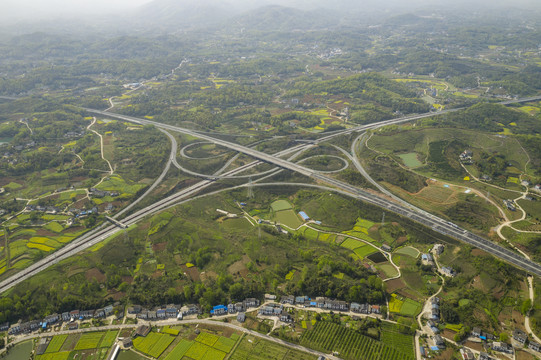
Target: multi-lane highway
{"x":437,"y":224}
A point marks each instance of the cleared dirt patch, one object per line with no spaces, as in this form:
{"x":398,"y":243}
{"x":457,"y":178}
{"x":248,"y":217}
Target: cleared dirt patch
{"x":95,"y":274}
{"x":238,"y":266}
{"x":192,"y":272}
{"x":159,"y":246}
{"x":393,"y":285}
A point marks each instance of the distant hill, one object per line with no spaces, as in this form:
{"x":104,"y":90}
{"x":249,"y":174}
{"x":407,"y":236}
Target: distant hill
{"x":281,"y":18}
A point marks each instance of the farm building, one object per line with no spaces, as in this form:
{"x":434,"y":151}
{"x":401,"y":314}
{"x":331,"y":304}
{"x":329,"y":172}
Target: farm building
{"x":303,"y":215}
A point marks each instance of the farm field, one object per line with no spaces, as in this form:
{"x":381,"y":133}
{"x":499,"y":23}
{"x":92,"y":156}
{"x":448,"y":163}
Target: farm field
{"x":153,"y":344}
{"x":288,"y":218}
{"x":180,"y":349}
{"x":410,"y":160}
{"x":327,"y":337}
{"x":252,"y":348}
{"x":280,"y":205}
{"x":392,"y":337}
{"x":54,"y":356}
{"x":129,"y":355}
{"x":89,"y":341}
{"x":365,"y":251}
{"x":409,"y":251}
{"x":56,"y":343}
{"x":404,"y":306}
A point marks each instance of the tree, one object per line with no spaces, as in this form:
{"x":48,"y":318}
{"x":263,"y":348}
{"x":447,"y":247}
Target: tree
{"x":526,"y":306}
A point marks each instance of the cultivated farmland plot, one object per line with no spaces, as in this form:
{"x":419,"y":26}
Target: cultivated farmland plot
{"x":328,"y":337}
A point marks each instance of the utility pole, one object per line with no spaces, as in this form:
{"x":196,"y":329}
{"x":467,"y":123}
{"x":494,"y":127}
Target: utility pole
{"x":6,"y":245}
{"x":250,"y":189}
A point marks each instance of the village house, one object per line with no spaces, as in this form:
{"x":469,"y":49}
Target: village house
{"x":520,"y":336}
{"x":502,"y":347}
{"x":484,"y":356}
{"x":534,"y":346}
{"x":285,"y":317}
{"x":251,"y":302}
{"x":271,"y":310}
{"x":241,"y":317}
{"x":288,"y":299}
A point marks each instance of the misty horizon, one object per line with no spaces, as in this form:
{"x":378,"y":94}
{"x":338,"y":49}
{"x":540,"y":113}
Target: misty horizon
{"x":46,"y":10}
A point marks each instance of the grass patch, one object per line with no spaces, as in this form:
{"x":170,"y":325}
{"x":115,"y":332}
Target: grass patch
{"x":280,"y":205}
{"x":410,"y":160}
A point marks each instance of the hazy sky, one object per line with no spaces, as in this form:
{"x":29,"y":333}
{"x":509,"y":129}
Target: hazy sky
{"x":13,"y":10}
{"x":30,"y":9}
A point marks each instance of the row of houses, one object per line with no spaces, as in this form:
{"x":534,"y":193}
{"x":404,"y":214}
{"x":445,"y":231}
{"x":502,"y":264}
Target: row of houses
{"x":521,"y":337}
{"x":234,"y":308}
{"x":329,"y":304}
{"x":276,"y":310}
{"x":165,"y":312}
{"x":100,"y":193}
{"x":68,"y":316}
{"x":46,"y":209}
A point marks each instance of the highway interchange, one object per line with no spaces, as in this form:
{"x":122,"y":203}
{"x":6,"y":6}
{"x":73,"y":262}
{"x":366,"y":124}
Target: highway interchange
{"x":435,"y":223}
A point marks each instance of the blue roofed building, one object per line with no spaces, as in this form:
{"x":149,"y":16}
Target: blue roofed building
{"x":304,"y":216}
{"x":219,"y":310}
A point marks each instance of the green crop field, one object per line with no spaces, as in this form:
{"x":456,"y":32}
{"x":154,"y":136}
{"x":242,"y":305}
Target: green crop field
{"x":288,"y":218}
{"x":207,"y":339}
{"x":89,"y":341}
{"x":280,"y":205}
{"x":252,"y":348}
{"x":56,"y":343}
{"x":54,"y":356}
{"x":225,"y":344}
{"x":130,"y":355}
{"x":109,"y":339}
{"x":367,"y":224}
{"x":410,"y":308}
{"x":411,"y":160}
{"x":392,"y":337}
{"x":364,"y":251}
{"x":328,"y":337}
{"x":351,"y":244}
{"x":409,"y":251}
{"x":214,"y":354}
{"x":395,"y":304}
{"x":180,"y":349}
{"x":197,"y":351}
{"x":168,"y":330}
{"x":388,"y":269}
{"x":153,"y":344}
{"x":54,"y":227}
